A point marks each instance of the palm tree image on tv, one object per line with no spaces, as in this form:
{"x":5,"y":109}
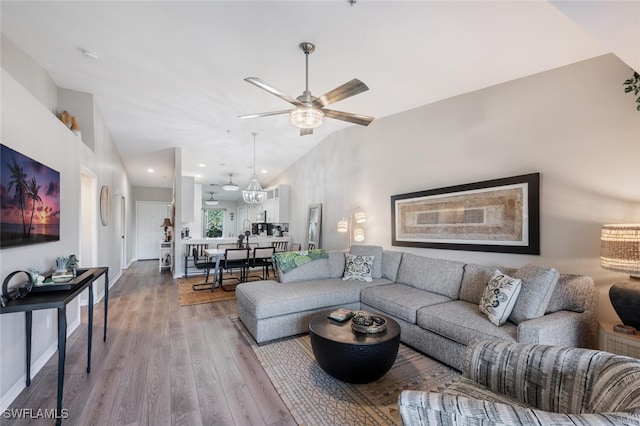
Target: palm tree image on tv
{"x":29,"y":200}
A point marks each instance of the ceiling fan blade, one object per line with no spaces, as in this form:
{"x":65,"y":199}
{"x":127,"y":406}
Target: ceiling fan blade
{"x":362,"y":120}
{"x":306,"y":132}
{"x":345,"y":91}
{"x":279,"y":93}
{"x":264,"y":114}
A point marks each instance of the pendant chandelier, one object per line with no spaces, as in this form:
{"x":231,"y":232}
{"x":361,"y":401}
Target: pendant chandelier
{"x":254,"y":193}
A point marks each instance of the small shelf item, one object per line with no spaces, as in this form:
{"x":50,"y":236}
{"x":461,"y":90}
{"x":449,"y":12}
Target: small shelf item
{"x":365,"y":323}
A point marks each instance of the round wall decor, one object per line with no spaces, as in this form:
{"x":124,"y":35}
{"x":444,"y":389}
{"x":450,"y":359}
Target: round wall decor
{"x":105,"y":205}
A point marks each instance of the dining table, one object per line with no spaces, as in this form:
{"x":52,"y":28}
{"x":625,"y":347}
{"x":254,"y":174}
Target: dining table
{"x":218,"y":254}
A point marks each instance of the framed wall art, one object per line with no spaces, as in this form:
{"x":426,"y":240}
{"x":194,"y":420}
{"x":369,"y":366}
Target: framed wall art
{"x":29,"y":200}
{"x":499,"y":215}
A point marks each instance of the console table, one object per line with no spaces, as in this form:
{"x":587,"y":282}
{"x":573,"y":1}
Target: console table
{"x":58,"y":300}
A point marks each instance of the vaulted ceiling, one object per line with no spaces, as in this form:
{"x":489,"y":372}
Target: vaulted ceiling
{"x":170,"y":74}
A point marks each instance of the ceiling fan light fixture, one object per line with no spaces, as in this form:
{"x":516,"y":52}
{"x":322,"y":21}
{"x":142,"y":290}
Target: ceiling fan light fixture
{"x":230,"y":186}
{"x":306,"y":117}
{"x":211,"y":201}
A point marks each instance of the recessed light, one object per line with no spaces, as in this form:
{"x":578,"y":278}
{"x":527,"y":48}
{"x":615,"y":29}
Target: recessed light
{"x":263,"y":171}
{"x":150,"y":170}
{"x":202,"y":165}
{"x":198,"y":176}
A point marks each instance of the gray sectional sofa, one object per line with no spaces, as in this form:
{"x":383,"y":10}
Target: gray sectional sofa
{"x":435,"y":301}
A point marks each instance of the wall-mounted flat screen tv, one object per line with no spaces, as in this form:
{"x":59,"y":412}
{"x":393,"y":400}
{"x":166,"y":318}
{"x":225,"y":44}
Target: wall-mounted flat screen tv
{"x":29,"y":200}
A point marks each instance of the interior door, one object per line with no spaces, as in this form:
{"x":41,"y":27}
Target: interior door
{"x":149,"y":233}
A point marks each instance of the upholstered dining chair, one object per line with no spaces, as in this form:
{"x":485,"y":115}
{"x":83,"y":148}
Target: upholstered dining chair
{"x":234,"y":258}
{"x":262,"y":259}
{"x":295,"y":247}
{"x":201,"y":261}
{"x":312,"y":246}
{"x":280,"y":245}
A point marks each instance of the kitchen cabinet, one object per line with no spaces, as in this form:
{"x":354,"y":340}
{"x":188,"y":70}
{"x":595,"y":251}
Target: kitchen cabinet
{"x":277,"y":204}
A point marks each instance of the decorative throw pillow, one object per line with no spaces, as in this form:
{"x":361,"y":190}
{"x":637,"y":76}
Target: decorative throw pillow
{"x":358,"y":268}
{"x":538,"y":284}
{"x":499,"y":297}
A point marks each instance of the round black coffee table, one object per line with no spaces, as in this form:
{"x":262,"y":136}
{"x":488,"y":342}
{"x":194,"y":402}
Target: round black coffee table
{"x":351,"y":356}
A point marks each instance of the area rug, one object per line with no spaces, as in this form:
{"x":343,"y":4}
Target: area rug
{"x":315,"y":398}
{"x":187,"y":296}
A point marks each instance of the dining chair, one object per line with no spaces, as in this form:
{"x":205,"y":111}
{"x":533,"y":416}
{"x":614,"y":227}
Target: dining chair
{"x":206,"y":265}
{"x":234,"y":258}
{"x":189,"y":260}
{"x":312,"y":246}
{"x":262,"y":258}
{"x":280,"y":245}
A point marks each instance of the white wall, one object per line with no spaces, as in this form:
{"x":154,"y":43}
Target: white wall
{"x":32,"y":129}
{"x":574,"y":125}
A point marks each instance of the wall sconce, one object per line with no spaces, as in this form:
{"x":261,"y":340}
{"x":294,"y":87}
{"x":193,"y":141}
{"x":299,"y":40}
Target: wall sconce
{"x":358,"y":216}
{"x":620,"y":251}
{"x":166,"y":223}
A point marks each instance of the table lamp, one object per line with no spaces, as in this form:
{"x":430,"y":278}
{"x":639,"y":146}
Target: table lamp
{"x":166,"y":223}
{"x":620,"y":251}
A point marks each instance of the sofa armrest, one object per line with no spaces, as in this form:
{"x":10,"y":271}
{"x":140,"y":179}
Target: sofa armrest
{"x":550,"y":378}
{"x":432,"y":408}
{"x":562,"y":328}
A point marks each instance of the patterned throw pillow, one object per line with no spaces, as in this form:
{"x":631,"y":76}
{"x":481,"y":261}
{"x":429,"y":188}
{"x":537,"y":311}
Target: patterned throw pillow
{"x":358,"y":268}
{"x":499,"y":297}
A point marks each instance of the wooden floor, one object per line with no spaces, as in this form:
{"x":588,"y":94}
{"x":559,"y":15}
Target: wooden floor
{"x":162,"y":364}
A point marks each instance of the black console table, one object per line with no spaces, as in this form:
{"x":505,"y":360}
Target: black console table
{"x":58,"y":300}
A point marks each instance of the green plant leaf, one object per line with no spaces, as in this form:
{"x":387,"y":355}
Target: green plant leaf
{"x":628,"y":89}
{"x":630,"y":81}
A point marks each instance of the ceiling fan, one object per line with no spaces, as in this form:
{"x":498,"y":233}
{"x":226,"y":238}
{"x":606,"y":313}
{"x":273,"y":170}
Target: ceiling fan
{"x":310,"y":111}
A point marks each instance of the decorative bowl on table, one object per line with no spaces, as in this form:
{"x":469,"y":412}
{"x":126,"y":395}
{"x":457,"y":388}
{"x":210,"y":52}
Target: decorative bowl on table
{"x":365,"y":323}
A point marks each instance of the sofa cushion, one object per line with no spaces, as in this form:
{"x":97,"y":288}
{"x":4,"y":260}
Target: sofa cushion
{"x":475,"y":279}
{"x":268,"y":299}
{"x":434,"y":275}
{"x":400,"y":300}
{"x":390,"y":264}
{"x":462,"y":322}
{"x":571,"y":293}
{"x":538,"y":284}
{"x":358,"y":268}
{"x":336,"y":263}
{"x":371,"y":251}
{"x":499,"y":297}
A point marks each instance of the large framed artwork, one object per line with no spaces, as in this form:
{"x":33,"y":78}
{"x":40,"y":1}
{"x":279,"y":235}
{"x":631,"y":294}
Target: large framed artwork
{"x":29,"y":200}
{"x":499,"y":215}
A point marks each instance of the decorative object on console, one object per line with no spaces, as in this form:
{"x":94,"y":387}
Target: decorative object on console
{"x":358,"y":216}
{"x":16,"y":292}
{"x":500,"y":297}
{"x":620,"y":252}
{"x":166,"y":224}
{"x":61,"y":263}
{"x":358,"y":268}
{"x":30,"y":209}
{"x":499,"y":215}
{"x":309,"y":111}
{"x":254,"y":193}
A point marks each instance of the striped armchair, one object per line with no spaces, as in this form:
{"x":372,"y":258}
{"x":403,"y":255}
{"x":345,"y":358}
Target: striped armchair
{"x":525,"y":384}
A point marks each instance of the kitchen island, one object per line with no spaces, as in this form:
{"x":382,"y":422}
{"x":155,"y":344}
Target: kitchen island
{"x":184,"y":261}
